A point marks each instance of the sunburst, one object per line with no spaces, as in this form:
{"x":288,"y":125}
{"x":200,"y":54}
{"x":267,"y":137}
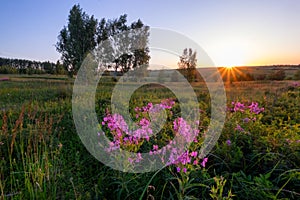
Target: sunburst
{"x":230,"y":73}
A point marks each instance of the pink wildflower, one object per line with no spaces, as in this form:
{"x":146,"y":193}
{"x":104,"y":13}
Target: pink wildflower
{"x":239,"y":128}
{"x":194,"y":154}
{"x":204,"y":162}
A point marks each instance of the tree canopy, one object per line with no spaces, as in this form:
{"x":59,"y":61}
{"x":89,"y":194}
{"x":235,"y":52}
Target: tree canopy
{"x":187,"y":64}
{"x":84,"y":33}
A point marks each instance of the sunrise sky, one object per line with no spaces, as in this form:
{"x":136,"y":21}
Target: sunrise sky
{"x":232,"y":32}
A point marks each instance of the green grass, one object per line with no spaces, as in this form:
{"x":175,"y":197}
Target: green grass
{"x":42,"y":156}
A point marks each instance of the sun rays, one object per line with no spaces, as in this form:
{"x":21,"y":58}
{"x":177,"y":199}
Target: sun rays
{"x":230,"y":73}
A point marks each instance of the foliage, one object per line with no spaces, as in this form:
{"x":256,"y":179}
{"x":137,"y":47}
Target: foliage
{"x":297,"y":75}
{"x":217,"y":192}
{"x":188,"y":64}
{"x":76,"y":39}
{"x":278,"y":75}
{"x":21,"y":66}
{"x":42,"y":157}
{"x":8,"y":70}
{"x":84,"y":33}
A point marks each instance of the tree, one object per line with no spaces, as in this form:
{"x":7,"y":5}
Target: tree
{"x":48,"y":67}
{"x":188,"y":63}
{"x":59,"y":68}
{"x":125,"y":47}
{"x":22,"y":66}
{"x":77,"y":39}
{"x":84,"y":34}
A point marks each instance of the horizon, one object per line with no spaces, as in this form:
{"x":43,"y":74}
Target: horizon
{"x":165,"y":67}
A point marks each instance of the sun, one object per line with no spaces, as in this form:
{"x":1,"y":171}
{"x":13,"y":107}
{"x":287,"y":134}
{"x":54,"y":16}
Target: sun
{"x":229,"y":67}
{"x":230,"y":73}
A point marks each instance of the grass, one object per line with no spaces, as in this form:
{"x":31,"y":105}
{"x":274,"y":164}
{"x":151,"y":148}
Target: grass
{"x":42,"y":156}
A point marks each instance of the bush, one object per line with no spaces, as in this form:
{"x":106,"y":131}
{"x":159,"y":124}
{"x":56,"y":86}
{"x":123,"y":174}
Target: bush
{"x":8,"y":70}
{"x":277,"y":76}
{"x":297,"y":75}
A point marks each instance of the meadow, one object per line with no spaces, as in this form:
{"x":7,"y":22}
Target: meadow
{"x":256,"y":157}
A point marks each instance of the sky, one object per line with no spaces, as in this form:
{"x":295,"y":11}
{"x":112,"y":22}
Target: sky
{"x":231,"y":32}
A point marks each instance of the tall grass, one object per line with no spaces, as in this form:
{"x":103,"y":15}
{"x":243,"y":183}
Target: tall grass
{"x":42,"y":157}
{"x":30,"y":159}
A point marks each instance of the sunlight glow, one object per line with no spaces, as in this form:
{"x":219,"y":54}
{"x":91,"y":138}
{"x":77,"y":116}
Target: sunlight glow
{"x":231,"y":51}
{"x":230,"y":73}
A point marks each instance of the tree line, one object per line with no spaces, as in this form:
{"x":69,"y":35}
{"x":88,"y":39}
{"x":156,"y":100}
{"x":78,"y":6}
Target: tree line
{"x":23,"y":66}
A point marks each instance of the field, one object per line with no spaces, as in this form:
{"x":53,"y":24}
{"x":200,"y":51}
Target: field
{"x":256,"y":157}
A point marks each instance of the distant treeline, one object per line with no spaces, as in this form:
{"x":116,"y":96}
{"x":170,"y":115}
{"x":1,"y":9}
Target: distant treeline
{"x":22,"y":66}
{"x":234,"y":74}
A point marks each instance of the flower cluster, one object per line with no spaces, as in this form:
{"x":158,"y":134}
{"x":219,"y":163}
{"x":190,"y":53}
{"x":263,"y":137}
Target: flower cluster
{"x":184,"y":133}
{"x":184,"y":129}
{"x":237,"y":106}
{"x":189,"y":158}
{"x":255,"y":109}
{"x":243,"y":116}
{"x":241,"y":107}
{"x":122,"y":136}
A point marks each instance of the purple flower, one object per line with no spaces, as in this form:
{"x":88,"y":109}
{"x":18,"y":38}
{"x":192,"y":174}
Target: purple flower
{"x":228,"y":142}
{"x":178,"y":169}
{"x":239,"y":128}
{"x":167,"y":103}
{"x":204,"y":162}
{"x":147,"y":107}
{"x":195,"y":162}
{"x":194,"y":154}
{"x":139,"y":158}
{"x":144,"y":122}
{"x":184,"y":170}
{"x":137,"y":109}
{"x":238,"y":107}
{"x":246,"y":120}
{"x":130,"y":160}
{"x":254,"y":108}
{"x":184,"y":129}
